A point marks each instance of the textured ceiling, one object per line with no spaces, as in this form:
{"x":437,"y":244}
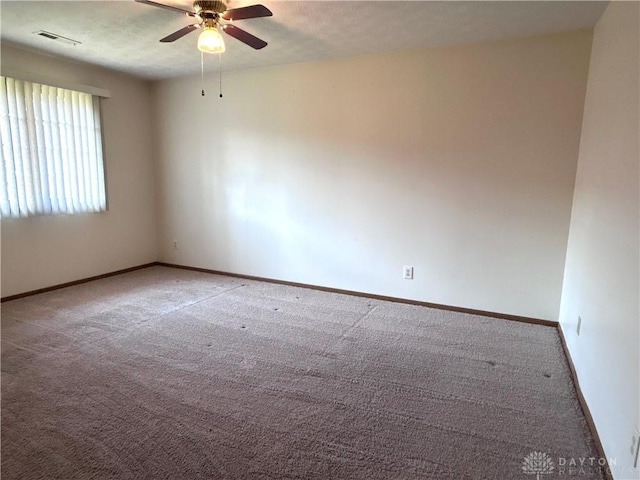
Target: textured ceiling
{"x":123,"y":35}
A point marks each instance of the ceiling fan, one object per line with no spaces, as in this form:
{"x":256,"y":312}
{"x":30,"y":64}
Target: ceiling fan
{"x":211,"y":14}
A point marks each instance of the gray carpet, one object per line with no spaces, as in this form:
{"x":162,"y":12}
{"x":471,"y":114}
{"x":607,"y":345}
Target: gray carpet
{"x":172,"y":374}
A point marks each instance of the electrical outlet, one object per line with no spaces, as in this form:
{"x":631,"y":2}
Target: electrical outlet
{"x":175,"y":244}
{"x":635,"y":447}
{"x":408,"y":272}
{"x":579,"y":325}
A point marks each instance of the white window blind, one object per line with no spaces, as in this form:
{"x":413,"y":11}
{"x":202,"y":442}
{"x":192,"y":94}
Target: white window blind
{"x":51,"y":156}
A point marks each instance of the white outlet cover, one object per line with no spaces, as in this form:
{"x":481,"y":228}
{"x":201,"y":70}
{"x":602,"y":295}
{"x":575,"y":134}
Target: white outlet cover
{"x":637,"y":447}
{"x":579,"y":325}
{"x":408,"y":272}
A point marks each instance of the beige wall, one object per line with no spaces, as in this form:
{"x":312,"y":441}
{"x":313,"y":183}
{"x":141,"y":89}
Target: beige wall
{"x":43,"y":251}
{"x":458,"y":161}
{"x":601,"y":281}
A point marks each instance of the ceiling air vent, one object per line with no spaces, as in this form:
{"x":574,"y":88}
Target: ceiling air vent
{"x":57,"y":38}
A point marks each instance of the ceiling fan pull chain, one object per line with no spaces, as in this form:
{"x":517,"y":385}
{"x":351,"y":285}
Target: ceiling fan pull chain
{"x":202,"y":72}
{"x":220,"y":71}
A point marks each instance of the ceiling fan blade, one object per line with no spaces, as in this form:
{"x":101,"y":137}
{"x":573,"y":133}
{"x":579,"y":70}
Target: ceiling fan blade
{"x":179,"y":34}
{"x":167,"y":7}
{"x":244,"y":37}
{"x":242,"y":13}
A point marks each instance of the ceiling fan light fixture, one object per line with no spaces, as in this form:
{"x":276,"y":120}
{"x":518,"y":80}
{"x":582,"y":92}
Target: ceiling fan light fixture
{"x":210,"y":41}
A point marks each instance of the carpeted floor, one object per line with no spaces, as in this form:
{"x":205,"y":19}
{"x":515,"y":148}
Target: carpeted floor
{"x":172,"y":374}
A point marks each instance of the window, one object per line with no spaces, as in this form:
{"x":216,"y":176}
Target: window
{"x":51,"y":157}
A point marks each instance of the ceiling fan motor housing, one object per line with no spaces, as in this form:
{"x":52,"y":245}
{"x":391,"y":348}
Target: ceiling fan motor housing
{"x":202,"y":7}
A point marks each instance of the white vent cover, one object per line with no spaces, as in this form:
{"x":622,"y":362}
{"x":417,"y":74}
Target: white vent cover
{"x":57,"y":38}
